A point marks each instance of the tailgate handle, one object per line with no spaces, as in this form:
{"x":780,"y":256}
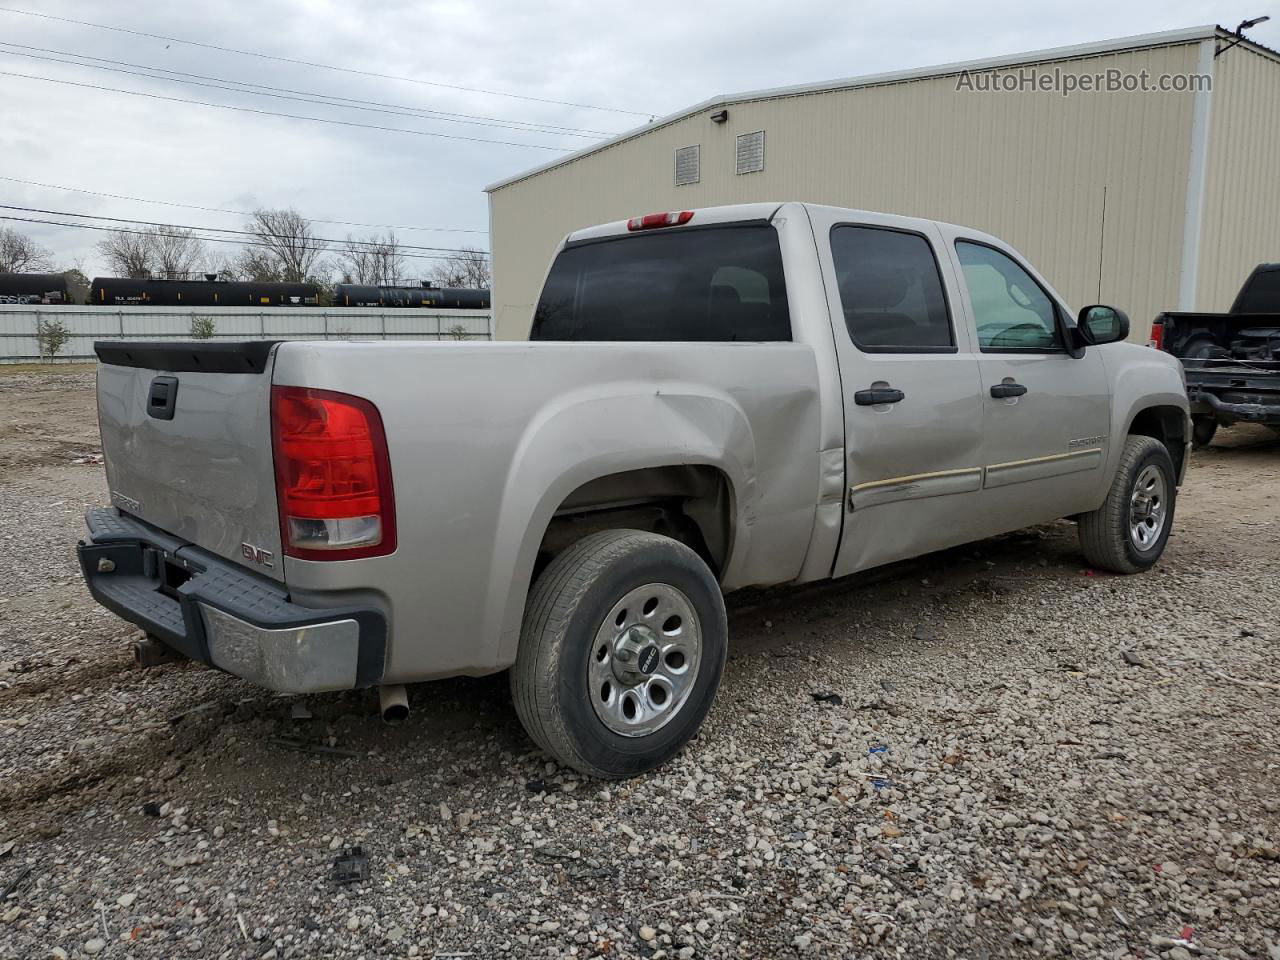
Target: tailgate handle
{"x":162,"y":398}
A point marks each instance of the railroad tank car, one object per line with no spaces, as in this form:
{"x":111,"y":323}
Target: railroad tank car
{"x":122,"y":292}
{"x":369,"y":295}
{"x":26,"y":288}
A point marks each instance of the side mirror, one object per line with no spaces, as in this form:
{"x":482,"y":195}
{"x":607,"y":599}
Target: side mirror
{"x":1099,"y":324}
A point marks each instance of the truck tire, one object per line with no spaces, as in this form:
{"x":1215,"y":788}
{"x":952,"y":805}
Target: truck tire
{"x":1202,"y":430}
{"x":1127,"y":534}
{"x":621,"y":652}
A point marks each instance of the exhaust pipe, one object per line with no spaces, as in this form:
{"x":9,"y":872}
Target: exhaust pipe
{"x":150,"y":652}
{"x":393,"y":702}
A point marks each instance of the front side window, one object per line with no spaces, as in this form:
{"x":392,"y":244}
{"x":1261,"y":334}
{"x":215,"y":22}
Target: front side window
{"x":711,"y":284}
{"x":890,"y":291}
{"x":1010,"y":309}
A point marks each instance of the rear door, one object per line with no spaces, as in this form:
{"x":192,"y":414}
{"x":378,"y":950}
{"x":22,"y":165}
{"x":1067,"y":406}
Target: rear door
{"x":913,"y":414}
{"x":186,"y":435}
{"x":1046,"y":409}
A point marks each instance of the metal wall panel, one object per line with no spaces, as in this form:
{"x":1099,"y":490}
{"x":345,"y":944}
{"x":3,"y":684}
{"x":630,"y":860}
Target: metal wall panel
{"x":85,"y":324}
{"x":1030,"y":167}
{"x":1242,"y":189}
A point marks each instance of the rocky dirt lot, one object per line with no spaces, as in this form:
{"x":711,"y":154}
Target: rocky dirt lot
{"x":992,"y":752}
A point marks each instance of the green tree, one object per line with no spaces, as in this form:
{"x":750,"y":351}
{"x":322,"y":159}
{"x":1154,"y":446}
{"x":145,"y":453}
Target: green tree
{"x":53,"y":336}
{"x":203,"y":328}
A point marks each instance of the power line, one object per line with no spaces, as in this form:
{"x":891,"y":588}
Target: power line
{"x":328,"y":96}
{"x":395,"y":110}
{"x":287,"y":116}
{"x":245,"y":233}
{"x":183,"y":236}
{"x":320,"y":66}
{"x":238,"y":213}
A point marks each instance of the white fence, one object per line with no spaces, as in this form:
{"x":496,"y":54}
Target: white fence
{"x":20,"y":342}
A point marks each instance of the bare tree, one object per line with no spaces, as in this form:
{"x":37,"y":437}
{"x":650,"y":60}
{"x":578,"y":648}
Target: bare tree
{"x":469,"y":268}
{"x":372,"y":261}
{"x":128,"y":253}
{"x":254,"y":263}
{"x":20,"y":254}
{"x":176,"y":253}
{"x":221,"y":264}
{"x":284,"y":248}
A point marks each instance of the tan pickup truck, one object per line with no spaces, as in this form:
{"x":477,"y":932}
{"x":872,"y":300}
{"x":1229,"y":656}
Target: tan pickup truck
{"x":711,"y":399}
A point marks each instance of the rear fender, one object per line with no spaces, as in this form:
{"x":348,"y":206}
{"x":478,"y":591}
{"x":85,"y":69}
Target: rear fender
{"x":592,"y":433}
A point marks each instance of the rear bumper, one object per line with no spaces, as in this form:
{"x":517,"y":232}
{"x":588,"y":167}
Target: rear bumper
{"x":217,"y":613}
{"x":1229,"y":393}
{"x":1265,"y":410}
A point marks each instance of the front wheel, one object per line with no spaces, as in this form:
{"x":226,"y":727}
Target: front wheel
{"x":621,"y":652}
{"x":1128,"y":533}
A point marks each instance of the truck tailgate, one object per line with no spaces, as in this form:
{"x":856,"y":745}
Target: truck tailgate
{"x":186,"y":435}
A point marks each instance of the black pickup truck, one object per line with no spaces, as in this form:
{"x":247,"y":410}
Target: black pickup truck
{"x":1232,"y":360}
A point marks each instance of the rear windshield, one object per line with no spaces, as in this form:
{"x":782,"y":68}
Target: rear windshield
{"x":716,"y":283}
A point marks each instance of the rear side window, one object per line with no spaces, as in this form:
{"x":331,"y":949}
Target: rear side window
{"x":891,"y":291}
{"x":711,"y":284}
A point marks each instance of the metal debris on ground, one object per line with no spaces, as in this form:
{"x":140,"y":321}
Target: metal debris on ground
{"x":208,"y":707}
{"x":299,"y":711}
{"x":832,"y":698}
{"x":305,"y":746}
{"x":351,"y":866}
{"x":15,"y":883}
{"x":536,"y":786}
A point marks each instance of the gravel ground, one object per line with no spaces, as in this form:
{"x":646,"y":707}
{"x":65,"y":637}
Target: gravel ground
{"x":991,"y":752}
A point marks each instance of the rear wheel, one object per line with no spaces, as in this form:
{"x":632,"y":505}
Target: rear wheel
{"x":1202,"y":430}
{"x":621,"y":652}
{"x":1128,"y":533}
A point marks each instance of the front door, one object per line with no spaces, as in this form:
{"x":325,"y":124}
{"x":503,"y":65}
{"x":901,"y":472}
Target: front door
{"x":913,"y":412}
{"x":1046,"y":406}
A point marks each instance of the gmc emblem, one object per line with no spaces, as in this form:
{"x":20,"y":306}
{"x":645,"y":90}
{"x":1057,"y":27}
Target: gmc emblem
{"x":256,"y":554}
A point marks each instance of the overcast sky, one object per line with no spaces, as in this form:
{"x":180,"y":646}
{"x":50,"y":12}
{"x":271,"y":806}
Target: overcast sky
{"x":651,"y":58}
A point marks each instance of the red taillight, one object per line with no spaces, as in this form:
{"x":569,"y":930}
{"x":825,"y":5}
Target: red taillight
{"x":333,"y":475}
{"x":651,"y":221}
{"x":1157,"y":335}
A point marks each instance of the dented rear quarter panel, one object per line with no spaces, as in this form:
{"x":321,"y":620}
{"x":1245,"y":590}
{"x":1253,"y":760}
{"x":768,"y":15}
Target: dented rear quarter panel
{"x":487,"y":439}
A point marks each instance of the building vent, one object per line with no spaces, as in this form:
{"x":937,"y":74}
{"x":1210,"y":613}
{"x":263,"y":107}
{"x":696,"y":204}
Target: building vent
{"x":750,"y":152}
{"x":686,"y":165}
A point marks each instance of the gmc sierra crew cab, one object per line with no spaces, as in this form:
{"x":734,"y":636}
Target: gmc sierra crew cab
{"x":758,"y":394}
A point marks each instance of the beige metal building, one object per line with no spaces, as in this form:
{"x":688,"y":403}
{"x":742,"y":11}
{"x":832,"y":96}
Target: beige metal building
{"x":1151,"y":200}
